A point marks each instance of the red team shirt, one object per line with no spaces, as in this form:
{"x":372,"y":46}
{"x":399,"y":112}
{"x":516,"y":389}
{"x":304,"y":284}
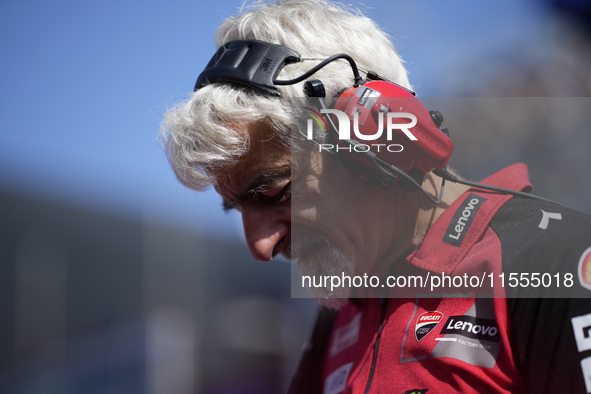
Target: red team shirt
{"x":520,"y":340}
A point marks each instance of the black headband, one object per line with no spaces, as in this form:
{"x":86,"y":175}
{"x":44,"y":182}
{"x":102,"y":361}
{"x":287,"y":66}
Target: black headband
{"x":251,"y":63}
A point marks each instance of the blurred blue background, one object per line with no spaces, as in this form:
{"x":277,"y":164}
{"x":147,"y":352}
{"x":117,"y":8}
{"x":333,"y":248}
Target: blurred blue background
{"x":115,"y":278}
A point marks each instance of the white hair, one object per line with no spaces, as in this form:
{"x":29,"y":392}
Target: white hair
{"x":207,"y":132}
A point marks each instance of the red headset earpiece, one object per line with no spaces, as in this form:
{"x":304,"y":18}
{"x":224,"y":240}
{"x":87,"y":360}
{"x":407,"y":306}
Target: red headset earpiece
{"x":382,"y":110}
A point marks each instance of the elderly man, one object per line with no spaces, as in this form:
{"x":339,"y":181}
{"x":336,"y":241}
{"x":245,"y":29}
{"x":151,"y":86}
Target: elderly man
{"x":344,"y":206}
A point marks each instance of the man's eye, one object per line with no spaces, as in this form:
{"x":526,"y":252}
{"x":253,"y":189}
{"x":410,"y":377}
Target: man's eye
{"x":278,"y":195}
{"x":285,"y":194}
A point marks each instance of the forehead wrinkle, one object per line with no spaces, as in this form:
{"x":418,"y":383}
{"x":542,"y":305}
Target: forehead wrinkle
{"x":264,"y":161}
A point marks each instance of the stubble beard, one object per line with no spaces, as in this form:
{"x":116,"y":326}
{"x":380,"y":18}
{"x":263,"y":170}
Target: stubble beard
{"x":318,"y":257}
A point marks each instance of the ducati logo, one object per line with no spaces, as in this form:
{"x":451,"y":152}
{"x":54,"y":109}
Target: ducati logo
{"x":426,"y":323}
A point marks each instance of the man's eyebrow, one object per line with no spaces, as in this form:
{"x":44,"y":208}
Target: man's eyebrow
{"x":259,"y":184}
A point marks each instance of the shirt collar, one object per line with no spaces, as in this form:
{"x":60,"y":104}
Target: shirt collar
{"x":436,"y":255}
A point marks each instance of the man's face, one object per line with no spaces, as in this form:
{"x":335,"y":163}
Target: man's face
{"x":315,"y":212}
{"x":259,"y":187}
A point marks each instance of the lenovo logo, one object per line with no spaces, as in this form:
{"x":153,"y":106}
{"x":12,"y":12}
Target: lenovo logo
{"x":459,"y":225}
{"x":472,"y":327}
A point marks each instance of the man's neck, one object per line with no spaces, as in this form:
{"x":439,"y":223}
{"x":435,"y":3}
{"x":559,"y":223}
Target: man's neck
{"x":417,"y":212}
{"x":430,"y":212}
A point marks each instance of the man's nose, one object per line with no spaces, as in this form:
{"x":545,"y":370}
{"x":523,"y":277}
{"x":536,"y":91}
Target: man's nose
{"x":267,"y":230}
